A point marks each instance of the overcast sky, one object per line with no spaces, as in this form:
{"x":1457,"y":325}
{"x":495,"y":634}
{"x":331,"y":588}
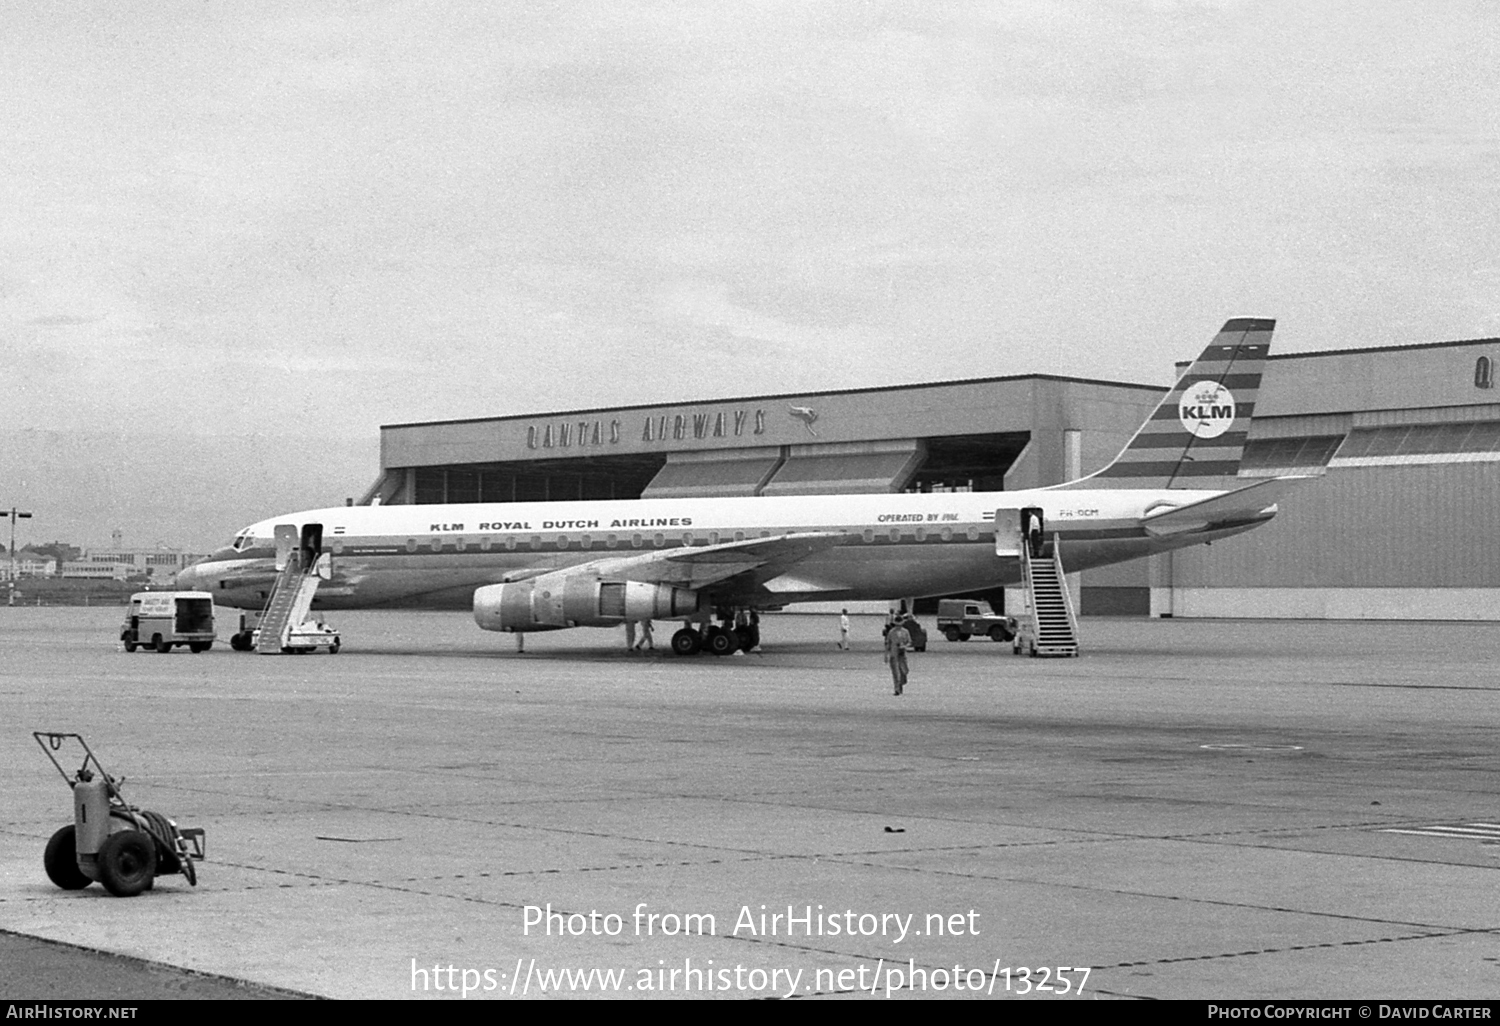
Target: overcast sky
{"x":315,"y":218}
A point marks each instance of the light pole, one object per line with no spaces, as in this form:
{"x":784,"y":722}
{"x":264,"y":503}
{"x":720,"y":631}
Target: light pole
{"x":10,"y":582}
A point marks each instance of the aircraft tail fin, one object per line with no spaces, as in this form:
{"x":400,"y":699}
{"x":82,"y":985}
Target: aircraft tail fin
{"x":1196,"y":437}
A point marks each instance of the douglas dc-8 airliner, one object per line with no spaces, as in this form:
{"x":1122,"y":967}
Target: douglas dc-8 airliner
{"x":534,"y":566}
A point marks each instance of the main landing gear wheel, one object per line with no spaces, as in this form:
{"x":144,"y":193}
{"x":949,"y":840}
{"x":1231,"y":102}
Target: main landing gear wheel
{"x":127,"y":863}
{"x":686,"y":642}
{"x":61,"y":861}
{"x":721,"y":642}
{"x":748,"y":637}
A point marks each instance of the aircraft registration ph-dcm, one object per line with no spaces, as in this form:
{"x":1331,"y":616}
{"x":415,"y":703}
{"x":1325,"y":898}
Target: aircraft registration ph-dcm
{"x":538,"y":566}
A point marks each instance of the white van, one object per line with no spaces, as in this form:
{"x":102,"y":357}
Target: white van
{"x":161,"y":619}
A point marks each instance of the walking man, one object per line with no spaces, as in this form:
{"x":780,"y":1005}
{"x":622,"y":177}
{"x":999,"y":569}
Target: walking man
{"x":896,"y":640}
{"x":646,"y":640}
{"x":844,"y":630}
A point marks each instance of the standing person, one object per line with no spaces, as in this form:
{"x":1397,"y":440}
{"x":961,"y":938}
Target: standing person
{"x":844,"y":630}
{"x":896,"y":640}
{"x":520,"y":642}
{"x":646,"y":640}
{"x":1034,"y":535}
{"x":630,"y":635}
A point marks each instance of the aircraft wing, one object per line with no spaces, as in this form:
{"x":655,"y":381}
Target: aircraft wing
{"x":751,"y":562}
{"x":1243,"y":505}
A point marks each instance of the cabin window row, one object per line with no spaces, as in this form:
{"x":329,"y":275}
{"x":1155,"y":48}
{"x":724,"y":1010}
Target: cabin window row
{"x":536,"y":542}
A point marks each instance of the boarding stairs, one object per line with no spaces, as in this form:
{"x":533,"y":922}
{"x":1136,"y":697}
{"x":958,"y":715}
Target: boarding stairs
{"x":291,"y":599}
{"x":1054,"y":620}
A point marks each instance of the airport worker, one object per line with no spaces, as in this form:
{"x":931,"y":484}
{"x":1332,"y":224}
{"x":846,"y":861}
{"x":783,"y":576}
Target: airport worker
{"x":630,"y":635}
{"x":896,"y":640}
{"x":520,"y":641}
{"x":844,"y":630}
{"x":1034,"y":535}
{"x":646,"y":640}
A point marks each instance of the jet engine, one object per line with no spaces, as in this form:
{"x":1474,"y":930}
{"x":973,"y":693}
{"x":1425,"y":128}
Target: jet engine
{"x":577,"y":600}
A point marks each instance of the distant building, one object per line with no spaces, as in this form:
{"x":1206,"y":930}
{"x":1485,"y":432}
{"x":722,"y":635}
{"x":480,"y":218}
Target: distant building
{"x":28,"y":564}
{"x":122,"y":563}
{"x":82,"y":568}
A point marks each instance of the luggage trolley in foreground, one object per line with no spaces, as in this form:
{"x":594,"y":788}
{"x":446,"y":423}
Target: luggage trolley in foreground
{"x":121,"y":846}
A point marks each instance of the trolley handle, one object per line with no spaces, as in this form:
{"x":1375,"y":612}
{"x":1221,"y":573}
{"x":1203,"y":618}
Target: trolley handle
{"x":51,"y":742}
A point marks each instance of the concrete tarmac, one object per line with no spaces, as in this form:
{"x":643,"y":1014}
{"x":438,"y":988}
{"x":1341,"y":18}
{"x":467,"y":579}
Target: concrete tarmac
{"x":1189,"y":810}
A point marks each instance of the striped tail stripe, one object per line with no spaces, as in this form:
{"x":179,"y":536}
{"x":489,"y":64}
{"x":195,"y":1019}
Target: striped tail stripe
{"x":1196,"y":437}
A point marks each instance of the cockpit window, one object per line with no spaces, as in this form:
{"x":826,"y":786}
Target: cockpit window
{"x":242,"y":541}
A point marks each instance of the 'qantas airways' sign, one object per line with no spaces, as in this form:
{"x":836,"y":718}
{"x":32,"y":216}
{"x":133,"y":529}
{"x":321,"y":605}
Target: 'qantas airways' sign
{"x":662,"y":427}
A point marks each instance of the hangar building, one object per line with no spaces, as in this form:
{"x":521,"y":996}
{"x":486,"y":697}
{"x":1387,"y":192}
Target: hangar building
{"x":1402,"y":521}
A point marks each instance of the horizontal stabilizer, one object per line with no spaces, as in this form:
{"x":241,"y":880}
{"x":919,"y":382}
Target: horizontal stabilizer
{"x":1234,"y":508}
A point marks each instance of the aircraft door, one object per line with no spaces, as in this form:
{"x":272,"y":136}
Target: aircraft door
{"x":1008,"y":532}
{"x":286,"y":541}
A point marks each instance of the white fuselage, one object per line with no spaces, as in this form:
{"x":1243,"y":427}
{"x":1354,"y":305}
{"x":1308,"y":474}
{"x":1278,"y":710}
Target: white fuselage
{"x":892,"y":545}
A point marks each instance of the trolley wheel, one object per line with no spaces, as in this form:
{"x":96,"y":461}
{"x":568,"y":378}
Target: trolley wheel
{"x":130,"y":646}
{"x":61,"y":861}
{"x":162,"y":644}
{"x":687,"y":642}
{"x":127,"y":863}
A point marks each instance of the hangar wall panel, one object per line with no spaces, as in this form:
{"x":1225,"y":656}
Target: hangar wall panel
{"x":847,"y":467}
{"x":1391,"y":378}
{"x":1332,"y":603}
{"x":1105,"y":412}
{"x":742,"y":472}
{"x":1424,"y":526}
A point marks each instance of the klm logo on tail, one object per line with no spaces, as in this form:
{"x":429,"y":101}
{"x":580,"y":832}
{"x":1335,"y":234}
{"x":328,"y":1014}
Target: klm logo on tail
{"x":1196,"y":437}
{"x":1206,"y":410}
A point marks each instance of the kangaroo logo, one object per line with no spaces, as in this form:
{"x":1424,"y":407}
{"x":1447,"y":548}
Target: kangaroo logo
{"x":807,"y":415}
{"x":1206,"y":409}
